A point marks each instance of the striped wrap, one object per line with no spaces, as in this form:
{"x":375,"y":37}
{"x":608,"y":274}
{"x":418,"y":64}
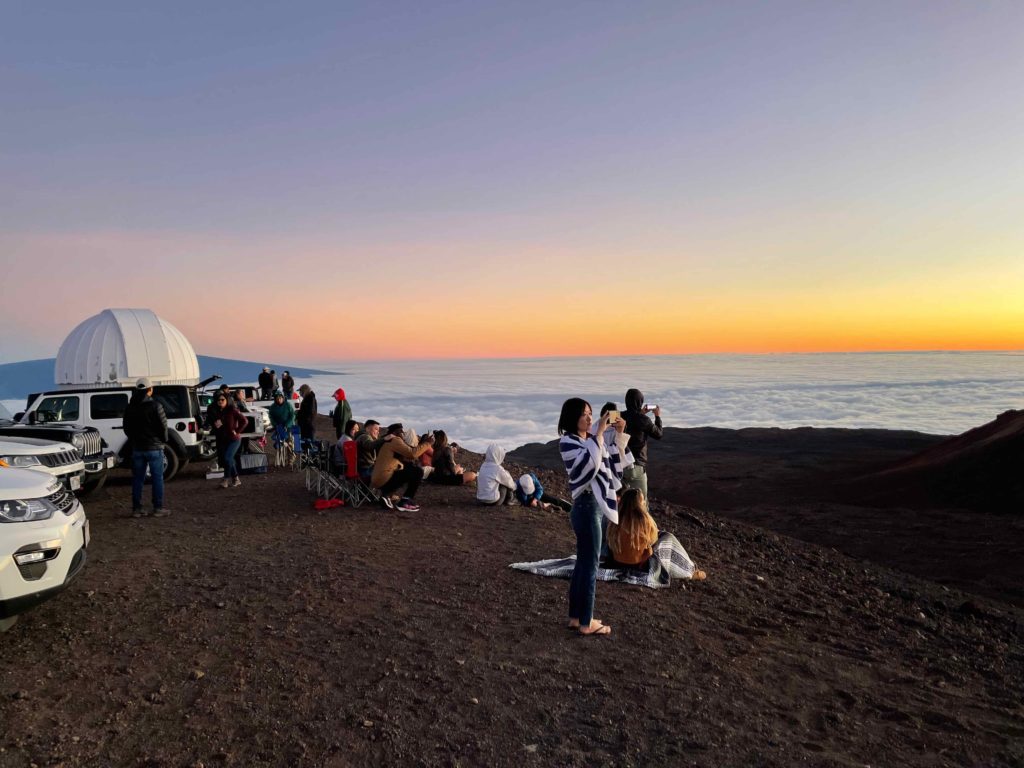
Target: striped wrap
{"x":595,"y":466}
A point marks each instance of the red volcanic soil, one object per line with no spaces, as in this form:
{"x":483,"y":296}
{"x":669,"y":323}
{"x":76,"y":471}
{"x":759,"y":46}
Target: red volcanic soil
{"x":248,"y":629}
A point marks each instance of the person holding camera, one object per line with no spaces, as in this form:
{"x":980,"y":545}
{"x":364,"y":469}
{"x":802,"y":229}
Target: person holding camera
{"x":595,"y":476}
{"x":639,"y":427}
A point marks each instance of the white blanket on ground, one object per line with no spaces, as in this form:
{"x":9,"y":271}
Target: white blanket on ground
{"x":669,"y":561}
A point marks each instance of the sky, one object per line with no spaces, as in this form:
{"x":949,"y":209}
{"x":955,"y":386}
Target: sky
{"x":326,"y":181}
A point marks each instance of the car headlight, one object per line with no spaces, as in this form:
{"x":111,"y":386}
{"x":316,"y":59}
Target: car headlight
{"x":20,"y":461}
{"x":78,"y":441}
{"x":25,"y":511}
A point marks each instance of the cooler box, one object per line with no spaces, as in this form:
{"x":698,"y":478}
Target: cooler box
{"x":252,"y":463}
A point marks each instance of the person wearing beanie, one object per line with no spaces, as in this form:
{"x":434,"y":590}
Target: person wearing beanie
{"x":530,"y":493}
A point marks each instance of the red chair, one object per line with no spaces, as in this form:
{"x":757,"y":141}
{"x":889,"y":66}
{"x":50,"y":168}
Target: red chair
{"x":357,"y":492}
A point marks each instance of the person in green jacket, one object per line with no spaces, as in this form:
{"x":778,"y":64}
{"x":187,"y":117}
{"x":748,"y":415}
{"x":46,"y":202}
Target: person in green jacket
{"x":342,"y":413}
{"x":282,"y":413}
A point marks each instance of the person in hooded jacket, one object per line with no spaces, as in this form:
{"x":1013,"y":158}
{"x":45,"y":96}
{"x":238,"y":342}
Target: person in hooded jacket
{"x":396,"y":467}
{"x":342,"y":413}
{"x":639,"y":427}
{"x":494,"y":483}
{"x":287,"y":385}
{"x":307,"y":412}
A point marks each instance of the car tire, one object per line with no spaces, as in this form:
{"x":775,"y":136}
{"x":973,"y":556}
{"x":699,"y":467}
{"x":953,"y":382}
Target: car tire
{"x":171,"y":463}
{"x":7,"y":623}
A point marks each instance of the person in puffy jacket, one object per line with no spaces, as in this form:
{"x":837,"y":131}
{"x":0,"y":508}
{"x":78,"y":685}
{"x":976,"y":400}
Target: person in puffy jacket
{"x":228,"y":426}
{"x":145,"y":426}
{"x":282,"y":413}
{"x":494,"y":484}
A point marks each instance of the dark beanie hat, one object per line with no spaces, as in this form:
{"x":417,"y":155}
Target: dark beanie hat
{"x":395,"y":429}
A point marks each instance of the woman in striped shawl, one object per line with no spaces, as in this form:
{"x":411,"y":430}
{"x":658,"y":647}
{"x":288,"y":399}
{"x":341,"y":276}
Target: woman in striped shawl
{"x":595,"y":474}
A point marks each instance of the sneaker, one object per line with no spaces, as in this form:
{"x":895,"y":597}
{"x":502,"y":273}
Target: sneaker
{"x":236,"y":482}
{"x":386,"y":502}
{"x":224,"y":483}
{"x":407,"y":505}
{"x":162,"y":512}
{"x":137,"y":513}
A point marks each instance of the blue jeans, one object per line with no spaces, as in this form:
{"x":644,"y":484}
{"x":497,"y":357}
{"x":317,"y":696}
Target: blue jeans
{"x":586,"y":522}
{"x":154,"y":460}
{"x":227,"y":459}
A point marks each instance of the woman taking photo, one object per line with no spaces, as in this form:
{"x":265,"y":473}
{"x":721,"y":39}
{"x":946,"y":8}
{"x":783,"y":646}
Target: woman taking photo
{"x":227,"y":427}
{"x":595,"y":474}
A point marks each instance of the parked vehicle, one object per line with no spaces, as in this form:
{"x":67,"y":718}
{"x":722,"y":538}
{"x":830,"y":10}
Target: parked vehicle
{"x":97,"y":456}
{"x":103,"y":409}
{"x":61,"y":461}
{"x":44,"y":535}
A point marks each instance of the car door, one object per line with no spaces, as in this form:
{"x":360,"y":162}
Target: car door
{"x":106,"y":413}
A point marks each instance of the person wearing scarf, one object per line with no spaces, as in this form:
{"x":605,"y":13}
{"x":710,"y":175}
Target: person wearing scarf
{"x":594,"y":466}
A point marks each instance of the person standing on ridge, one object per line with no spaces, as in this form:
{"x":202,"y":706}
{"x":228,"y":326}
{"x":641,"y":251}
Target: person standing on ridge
{"x":145,"y":425}
{"x":287,"y":385}
{"x":307,"y":412}
{"x":342,"y":413}
{"x":266,"y":382}
{"x":639,"y":427}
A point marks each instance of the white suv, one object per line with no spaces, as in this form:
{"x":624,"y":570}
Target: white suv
{"x":44,"y":534}
{"x":61,"y":460}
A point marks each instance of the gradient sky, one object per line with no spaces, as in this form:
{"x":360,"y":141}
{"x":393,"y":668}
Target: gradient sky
{"x":330,"y":181}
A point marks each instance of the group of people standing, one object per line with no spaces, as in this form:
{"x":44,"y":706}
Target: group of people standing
{"x":606,"y":463}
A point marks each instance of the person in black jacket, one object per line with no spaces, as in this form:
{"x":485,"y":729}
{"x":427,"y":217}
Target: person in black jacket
{"x":307,"y":412}
{"x":639,"y":427}
{"x":145,"y":426}
{"x":266,"y":382}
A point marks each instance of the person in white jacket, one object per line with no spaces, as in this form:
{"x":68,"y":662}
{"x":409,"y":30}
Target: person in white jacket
{"x":494,"y":484}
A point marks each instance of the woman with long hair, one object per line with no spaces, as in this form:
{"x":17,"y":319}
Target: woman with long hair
{"x":228,"y":426}
{"x":595,"y":475}
{"x":446,"y":471}
{"x":632,"y":540}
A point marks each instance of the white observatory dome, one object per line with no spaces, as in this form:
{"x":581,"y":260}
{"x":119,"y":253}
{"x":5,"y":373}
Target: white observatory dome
{"x":119,"y":346}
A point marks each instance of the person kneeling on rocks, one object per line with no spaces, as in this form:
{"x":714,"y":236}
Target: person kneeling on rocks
{"x":494,"y":484}
{"x":391,"y":473}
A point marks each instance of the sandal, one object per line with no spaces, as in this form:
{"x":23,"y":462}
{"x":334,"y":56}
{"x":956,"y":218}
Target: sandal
{"x":599,"y":629}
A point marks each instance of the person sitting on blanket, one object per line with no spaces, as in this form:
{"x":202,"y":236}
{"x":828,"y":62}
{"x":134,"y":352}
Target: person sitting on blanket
{"x":631,"y":540}
{"x":396,"y":466}
{"x":530,"y":493}
{"x":494,"y":484}
{"x":446,"y":471}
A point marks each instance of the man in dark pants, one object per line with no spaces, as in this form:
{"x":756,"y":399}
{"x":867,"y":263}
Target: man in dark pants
{"x":145,"y":425}
{"x":639,"y":427}
{"x":266,"y":382}
{"x":307,"y":413}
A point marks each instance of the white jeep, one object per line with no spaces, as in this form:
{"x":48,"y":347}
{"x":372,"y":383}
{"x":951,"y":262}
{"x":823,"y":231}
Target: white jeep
{"x":44,"y":534}
{"x":60,"y":460}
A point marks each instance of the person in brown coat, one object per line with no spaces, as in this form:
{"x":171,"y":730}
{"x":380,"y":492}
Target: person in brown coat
{"x":390,"y":472}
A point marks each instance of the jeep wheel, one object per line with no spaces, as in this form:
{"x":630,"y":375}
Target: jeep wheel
{"x":170,"y":463}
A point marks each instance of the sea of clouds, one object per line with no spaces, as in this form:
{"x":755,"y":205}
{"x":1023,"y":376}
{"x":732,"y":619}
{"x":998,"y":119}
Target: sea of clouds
{"x":514,"y":402}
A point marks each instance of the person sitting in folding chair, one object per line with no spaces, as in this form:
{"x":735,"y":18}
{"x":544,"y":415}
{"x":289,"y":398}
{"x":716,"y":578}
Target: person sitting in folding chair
{"x":352,"y":428}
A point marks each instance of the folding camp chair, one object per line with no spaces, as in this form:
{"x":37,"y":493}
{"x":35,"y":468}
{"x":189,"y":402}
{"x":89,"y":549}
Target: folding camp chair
{"x":356,"y":492}
{"x":284,"y":448}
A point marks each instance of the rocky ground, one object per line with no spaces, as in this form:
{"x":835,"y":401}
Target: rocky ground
{"x":248,"y":629}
